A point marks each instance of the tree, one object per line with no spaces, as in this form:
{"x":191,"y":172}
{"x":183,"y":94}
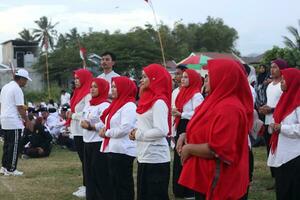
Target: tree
{"x":289,"y":42}
{"x":26,"y":35}
{"x":292,"y":56}
{"x":45,"y":34}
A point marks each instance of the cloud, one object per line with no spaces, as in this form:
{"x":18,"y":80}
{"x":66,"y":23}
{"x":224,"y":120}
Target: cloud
{"x":13,"y":20}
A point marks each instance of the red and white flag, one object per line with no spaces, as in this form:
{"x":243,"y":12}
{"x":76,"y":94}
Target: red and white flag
{"x":82,"y":53}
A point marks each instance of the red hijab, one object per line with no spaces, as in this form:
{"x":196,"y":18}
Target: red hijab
{"x":186,"y":93}
{"x":288,"y":102}
{"x":126,"y":90}
{"x":85,"y":78}
{"x":215,"y":123}
{"x":160,"y":87}
{"x":103,"y":89}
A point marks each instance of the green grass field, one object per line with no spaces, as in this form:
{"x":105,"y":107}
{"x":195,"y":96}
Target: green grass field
{"x":56,"y":177}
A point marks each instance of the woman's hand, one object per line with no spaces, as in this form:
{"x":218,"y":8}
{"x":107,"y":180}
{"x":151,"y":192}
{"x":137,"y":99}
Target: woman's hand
{"x":175,"y":112}
{"x":69,"y":115}
{"x":132,"y":134}
{"x":185,"y":153}
{"x":275,"y":127}
{"x":180,"y":142}
{"x":102,"y":132}
{"x":84,"y":124}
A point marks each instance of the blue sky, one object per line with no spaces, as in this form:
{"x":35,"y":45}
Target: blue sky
{"x":260,"y":24}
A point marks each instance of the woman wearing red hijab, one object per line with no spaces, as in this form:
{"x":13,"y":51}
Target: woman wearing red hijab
{"x":95,"y":164}
{"x":79,"y":100}
{"x":153,"y":126}
{"x":188,"y":99}
{"x":284,"y":155}
{"x":215,"y":158}
{"x":120,"y":119}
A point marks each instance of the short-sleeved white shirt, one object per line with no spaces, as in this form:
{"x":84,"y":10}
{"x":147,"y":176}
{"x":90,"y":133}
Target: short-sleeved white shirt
{"x":11,"y":96}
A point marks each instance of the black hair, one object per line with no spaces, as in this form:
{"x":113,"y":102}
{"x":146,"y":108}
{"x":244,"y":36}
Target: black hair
{"x":112,"y":55}
{"x":16,"y":77}
{"x":181,"y":67}
{"x":247,"y":68}
{"x":51,"y":101}
{"x":63,"y":91}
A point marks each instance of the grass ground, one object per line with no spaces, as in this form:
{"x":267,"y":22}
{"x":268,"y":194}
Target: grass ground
{"x":56,"y":177}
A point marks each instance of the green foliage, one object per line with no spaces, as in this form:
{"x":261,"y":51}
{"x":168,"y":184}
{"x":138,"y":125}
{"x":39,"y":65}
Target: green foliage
{"x":42,"y":96}
{"x":290,"y":43}
{"x":45,"y":32}
{"x":292,"y":56}
{"x":26,"y":35}
{"x":138,"y":47}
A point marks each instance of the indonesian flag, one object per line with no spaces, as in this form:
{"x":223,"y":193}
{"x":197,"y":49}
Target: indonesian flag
{"x":82,"y":53}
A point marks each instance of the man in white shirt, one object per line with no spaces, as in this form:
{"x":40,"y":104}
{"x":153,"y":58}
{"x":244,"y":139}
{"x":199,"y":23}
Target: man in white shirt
{"x":13,"y":117}
{"x":273,"y":95}
{"x":64,"y":98}
{"x":108,"y":60}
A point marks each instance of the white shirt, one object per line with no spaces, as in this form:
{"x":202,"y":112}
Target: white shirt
{"x":273,"y":95}
{"x":191,"y":105}
{"x":92,"y":114}
{"x":152,"y":130}
{"x":174,"y":96}
{"x":65,"y":98}
{"x":53,"y":124}
{"x":75,"y":127}
{"x":288,"y":146}
{"x":108,"y":78}
{"x":11,"y":96}
{"x":253,"y":93}
{"x":121,"y":124}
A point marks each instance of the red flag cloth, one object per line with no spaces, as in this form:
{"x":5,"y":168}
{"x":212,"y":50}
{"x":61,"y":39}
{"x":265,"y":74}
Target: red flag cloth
{"x":223,"y":121}
{"x":126,"y":90}
{"x":82,"y":53}
{"x":288,"y":102}
{"x":186,"y":93}
{"x":103,"y":89}
{"x":85,"y":78}
{"x":160,"y":87}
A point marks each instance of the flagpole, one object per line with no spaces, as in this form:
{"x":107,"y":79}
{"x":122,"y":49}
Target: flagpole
{"x":158,"y":32}
{"x":83,"y":58}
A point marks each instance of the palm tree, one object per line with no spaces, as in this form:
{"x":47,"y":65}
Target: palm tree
{"x":289,"y":42}
{"x":26,"y":35}
{"x":73,"y":36}
{"x":45,"y":34}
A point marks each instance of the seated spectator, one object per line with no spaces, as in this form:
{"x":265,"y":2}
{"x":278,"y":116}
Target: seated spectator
{"x":52,"y":121}
{"x":39,"y":141}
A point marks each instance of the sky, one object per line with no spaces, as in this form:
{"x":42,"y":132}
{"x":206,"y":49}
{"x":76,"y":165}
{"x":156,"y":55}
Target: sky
{"x":260,"y":24}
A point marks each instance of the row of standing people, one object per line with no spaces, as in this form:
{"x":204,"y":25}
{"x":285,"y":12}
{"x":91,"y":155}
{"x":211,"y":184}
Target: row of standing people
{"x":278,"y":104}
{"x":117,"y":132}
{"x":215,"y":142}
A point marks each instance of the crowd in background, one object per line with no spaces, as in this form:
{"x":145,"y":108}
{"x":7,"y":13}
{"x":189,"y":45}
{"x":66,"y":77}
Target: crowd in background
{"x":211,"y":122}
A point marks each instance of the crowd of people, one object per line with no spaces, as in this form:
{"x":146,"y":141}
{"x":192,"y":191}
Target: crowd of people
{"x":212,"y":121}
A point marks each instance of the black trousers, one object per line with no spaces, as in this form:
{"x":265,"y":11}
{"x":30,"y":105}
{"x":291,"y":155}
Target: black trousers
{"x":287,"y":180}
{"x":79,"y":145}
{"x":33,"y":152}
{"x":11,"y":149}
{"x":96,"y":172}
{"x":121,"y":176}
{"x":153,"y":181}
{"x":267,"y":138}
{"x":179,"y":190}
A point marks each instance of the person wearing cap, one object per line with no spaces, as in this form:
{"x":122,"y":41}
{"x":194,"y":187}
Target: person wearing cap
{"x":13,"y":118}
